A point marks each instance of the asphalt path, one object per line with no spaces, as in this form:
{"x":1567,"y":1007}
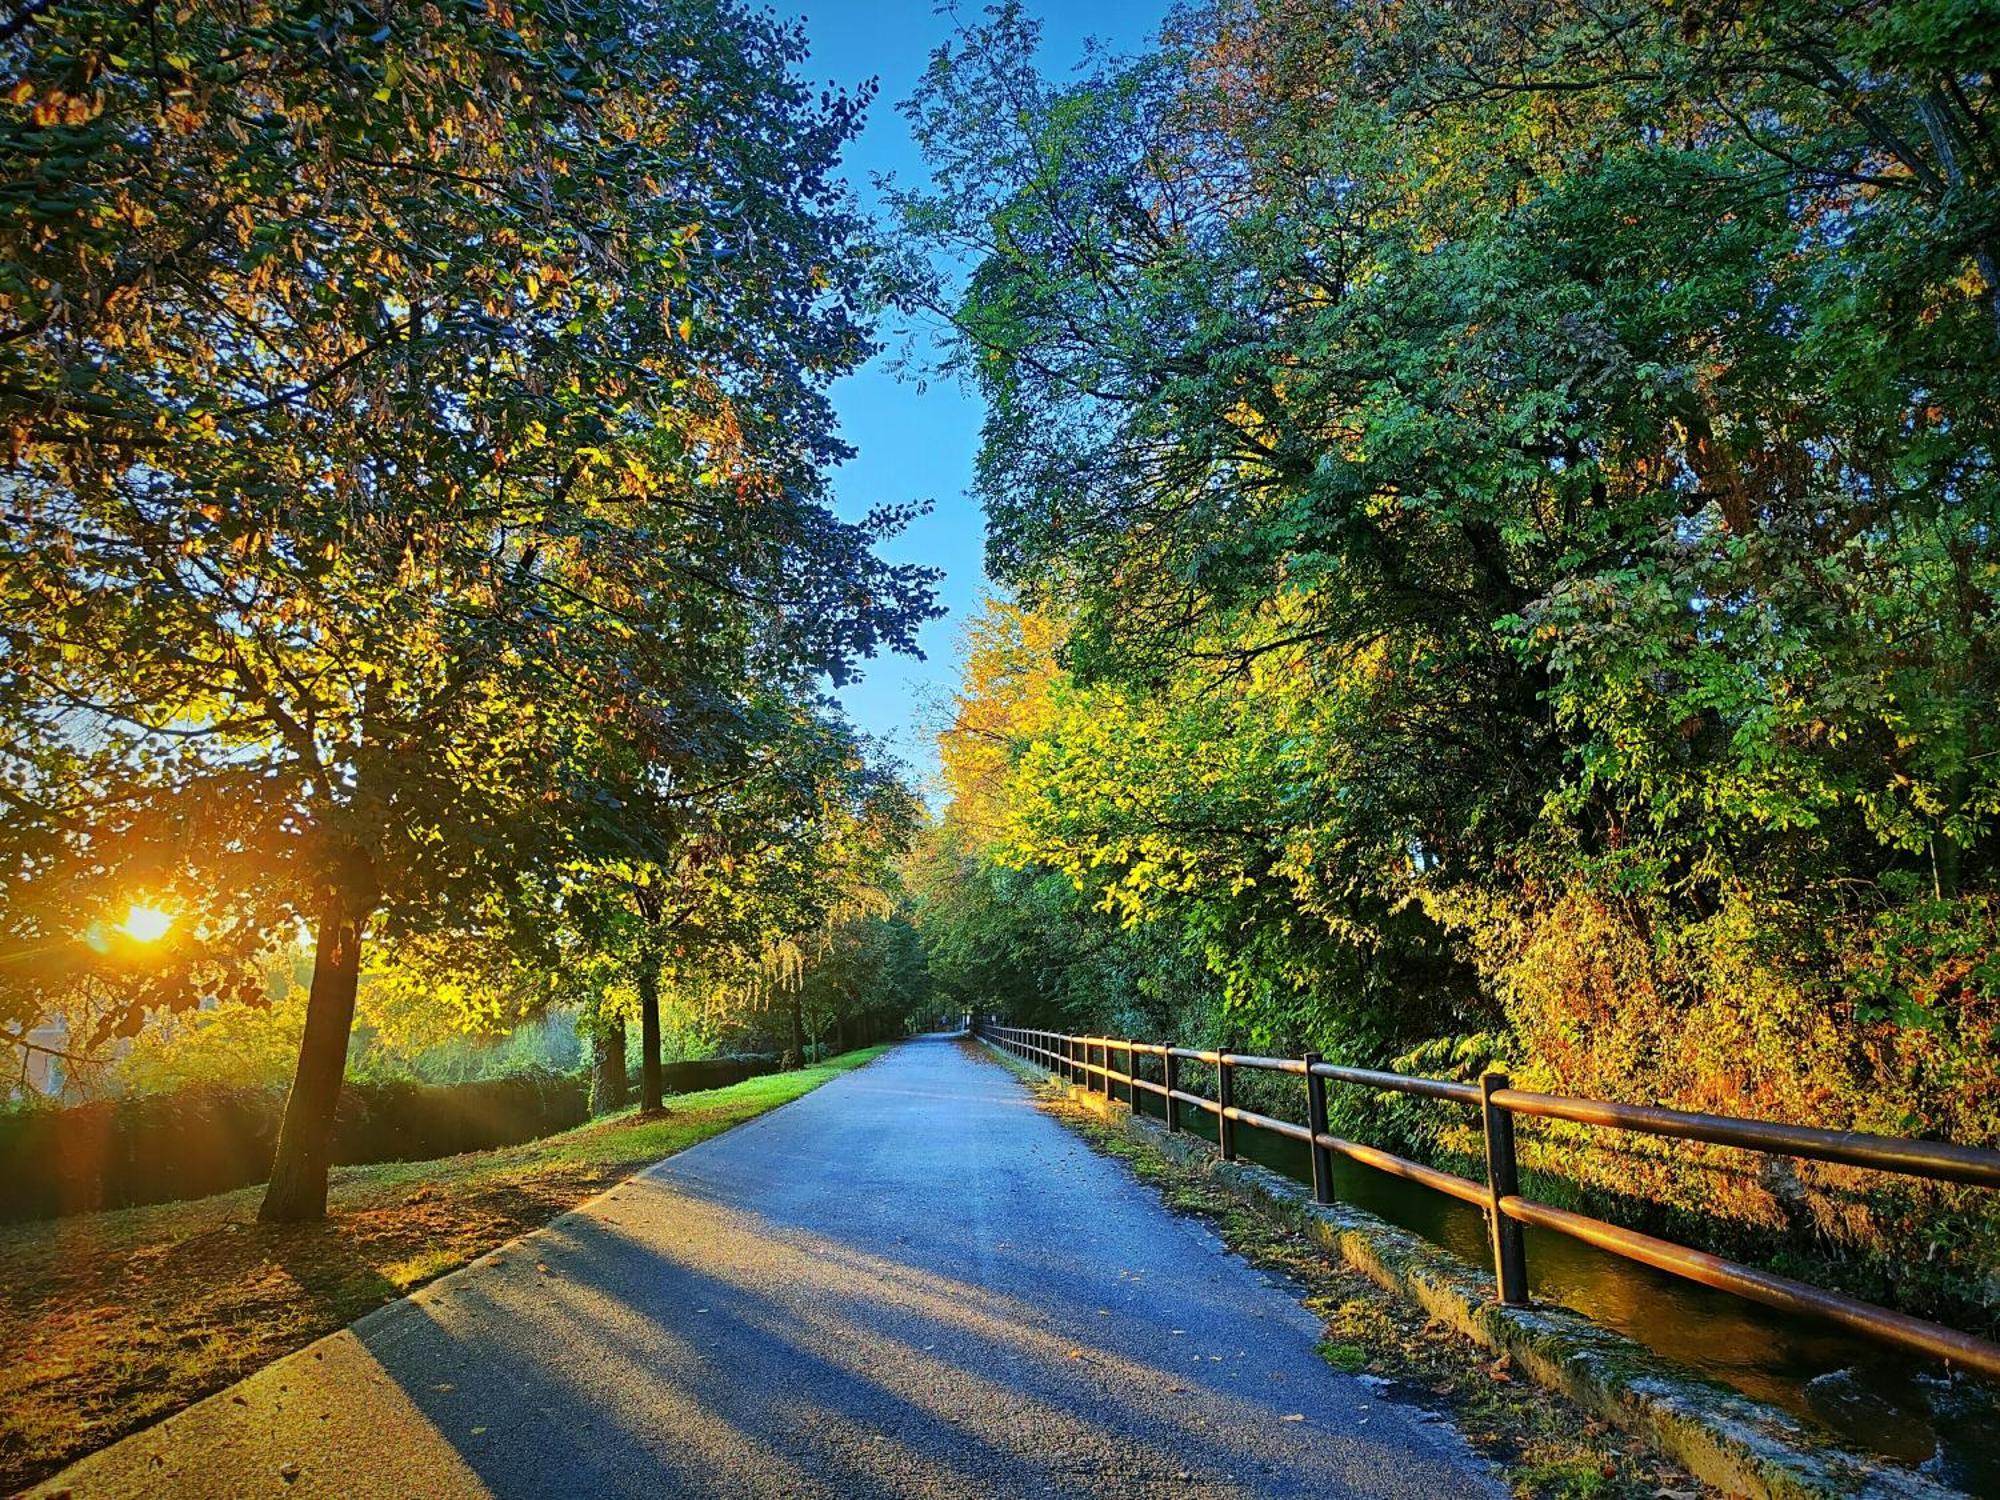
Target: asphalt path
{"x":910,"y":1282}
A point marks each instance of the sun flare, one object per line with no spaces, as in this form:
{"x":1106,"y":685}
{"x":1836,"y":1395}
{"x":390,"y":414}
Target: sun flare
{"x":146,"y":924}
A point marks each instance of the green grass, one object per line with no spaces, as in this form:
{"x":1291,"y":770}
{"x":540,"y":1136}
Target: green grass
{"x":1350,"y":1358}
{"x":1566,"y":1479}
{"x":115,"y":1320}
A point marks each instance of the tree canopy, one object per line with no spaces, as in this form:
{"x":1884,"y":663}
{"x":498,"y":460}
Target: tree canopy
{"x":418,"y":440}
{"x":1507,"y":496}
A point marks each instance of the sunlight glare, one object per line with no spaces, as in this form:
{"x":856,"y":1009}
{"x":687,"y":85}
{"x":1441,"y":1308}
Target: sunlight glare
{"x":146,"y":924}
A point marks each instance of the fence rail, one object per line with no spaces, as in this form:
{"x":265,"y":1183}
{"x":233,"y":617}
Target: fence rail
{"x":1087,"y":1062}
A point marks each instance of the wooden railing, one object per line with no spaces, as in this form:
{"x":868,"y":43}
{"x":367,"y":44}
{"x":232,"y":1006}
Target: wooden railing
{"x":1086,"y":1062}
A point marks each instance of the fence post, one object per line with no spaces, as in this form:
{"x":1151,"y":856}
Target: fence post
{"x":1322,"y":1158}
{"x":1225,"y":1099}
{"x":1170,"y":1075}
{"x":1104,"y":1056}
{"x":1132,"y":1075}
{"x":1510,"y":1259}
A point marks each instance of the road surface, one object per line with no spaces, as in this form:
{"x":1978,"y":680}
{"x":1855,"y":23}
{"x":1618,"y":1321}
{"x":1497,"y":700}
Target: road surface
{"x":907,"y":1283}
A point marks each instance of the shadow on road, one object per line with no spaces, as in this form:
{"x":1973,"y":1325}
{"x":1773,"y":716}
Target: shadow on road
{"x":908,"y":1283}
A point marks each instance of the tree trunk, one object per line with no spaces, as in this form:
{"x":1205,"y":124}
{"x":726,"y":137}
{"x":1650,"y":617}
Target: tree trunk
{"x":796,"y":1058}
{"x":297,"y":1190}
{"x":649,"y":1031}
{"x":609,"y":1087}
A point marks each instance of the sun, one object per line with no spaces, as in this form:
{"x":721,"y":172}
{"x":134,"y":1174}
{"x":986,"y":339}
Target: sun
{"x":146,"y":924}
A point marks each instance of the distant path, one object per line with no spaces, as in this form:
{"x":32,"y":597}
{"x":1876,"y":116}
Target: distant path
{"x":908,"y":1283}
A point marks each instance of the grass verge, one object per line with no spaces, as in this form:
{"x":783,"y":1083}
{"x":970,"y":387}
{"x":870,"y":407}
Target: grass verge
{"x":111,"y":1321}
{"x":1546,"y":1447}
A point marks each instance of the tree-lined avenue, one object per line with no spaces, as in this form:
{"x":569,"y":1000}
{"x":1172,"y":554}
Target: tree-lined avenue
{"x":909,"y":1282}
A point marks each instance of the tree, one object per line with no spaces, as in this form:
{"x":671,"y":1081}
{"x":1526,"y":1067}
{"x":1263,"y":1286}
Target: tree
{"x":869,"y":977}
{"x":1518,"y":484}
{"x":747,"y":857}
{"x":381,"y":391}
{"x":833,"y":905}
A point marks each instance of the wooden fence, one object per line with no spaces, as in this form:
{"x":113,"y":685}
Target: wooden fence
{"x":1087,"y":1062}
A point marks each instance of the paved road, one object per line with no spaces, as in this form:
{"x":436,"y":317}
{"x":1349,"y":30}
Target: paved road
{"x":908,"y":1283}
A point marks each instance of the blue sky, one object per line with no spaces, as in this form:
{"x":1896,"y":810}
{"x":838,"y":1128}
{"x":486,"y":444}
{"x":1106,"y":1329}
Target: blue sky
{"x":920,"y":445}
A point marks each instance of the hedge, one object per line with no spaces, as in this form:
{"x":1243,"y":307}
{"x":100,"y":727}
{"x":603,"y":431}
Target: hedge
{"x":156,"y":1148}
{"x":713,"y":1072}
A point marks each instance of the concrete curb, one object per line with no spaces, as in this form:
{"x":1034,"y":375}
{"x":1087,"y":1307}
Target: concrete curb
{"x":1723,"y":1437}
